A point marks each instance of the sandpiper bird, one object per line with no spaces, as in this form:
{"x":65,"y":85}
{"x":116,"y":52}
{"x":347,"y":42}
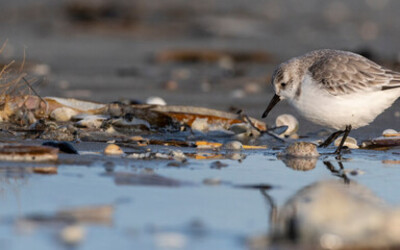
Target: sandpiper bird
{"x":337,"y":89}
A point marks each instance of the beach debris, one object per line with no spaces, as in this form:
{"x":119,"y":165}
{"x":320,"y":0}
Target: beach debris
{"x":216,"y":145}
{"x":292,"y":125}
{"x":350,"y":142}
{"x":155,"y":100}
{"x":390,"y":133}
{"x":89,"y":121}
{"x":72,"y":234}
{"x":332,"y":215}
{"x":233,"y":145}
{"x":301,"y":149}
{"x":93,"y":214}
{"x":63,"y":146}
{"x":218,"y":165}
{"x":211,"y":55}
{"x":244,"y":131}
{"x":300,"y":156}
{"x":31,"y":153}
{"x":212,"y":181}
{"x":45,"y":170}
{"x":381,"y":143}
{"x":170,"y":240}
{"x":113,"y":149}
{"x":63,"y":114}
{"x":146,"y":179}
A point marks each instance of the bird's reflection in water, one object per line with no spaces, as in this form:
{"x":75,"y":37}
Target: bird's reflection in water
{"x":299,"y":163}
{"x":331,"y":214}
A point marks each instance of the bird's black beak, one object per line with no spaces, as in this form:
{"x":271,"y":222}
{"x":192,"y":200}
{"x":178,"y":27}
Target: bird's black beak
{"x":271,"y":104}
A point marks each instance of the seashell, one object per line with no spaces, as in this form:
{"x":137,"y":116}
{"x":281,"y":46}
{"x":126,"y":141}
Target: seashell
{"x":155,"y":100}
{"x":200,"y":124}
{"x":90,"y":121}
{"x":113,"y":149}
{"x":233,"y":145}
{"x":287,"y":120}
{"x":350,"y":142}
{"x":301,"y":149}
{"x":390,"y":132}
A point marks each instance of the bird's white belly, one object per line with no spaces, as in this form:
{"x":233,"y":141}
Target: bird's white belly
{"x":357,"y":109}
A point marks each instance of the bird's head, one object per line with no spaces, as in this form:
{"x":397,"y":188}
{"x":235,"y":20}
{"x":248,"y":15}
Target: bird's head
{"x":285,"y":81}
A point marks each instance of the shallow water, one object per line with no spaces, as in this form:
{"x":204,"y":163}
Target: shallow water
{"x":190,"y":215}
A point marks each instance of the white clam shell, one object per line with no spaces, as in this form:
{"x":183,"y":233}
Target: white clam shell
{"x":155,"y":100}
{"x":350,"y":142}
{"x":287,"y":120}
{"x":113,"y":149}
{"x":389,"y":131}
{"x":63,"y":114}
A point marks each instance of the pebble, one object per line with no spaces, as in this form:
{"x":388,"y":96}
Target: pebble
{"x":113,"y":149}
{"x":350,"y":142}
{"x":302,"y":149}
{"x":233,"y":145}
{"x":73,"y":234}
{"x":287,"y":120}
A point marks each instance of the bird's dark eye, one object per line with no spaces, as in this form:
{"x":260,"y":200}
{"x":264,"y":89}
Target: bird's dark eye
{"x":283,"y":84}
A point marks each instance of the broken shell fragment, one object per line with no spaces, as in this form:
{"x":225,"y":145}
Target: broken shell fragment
{"x":113,"y":149}
{"x":287,"y":120}
{"x":28,"y":153}
{"x":301,"y":149}
{"x":350,"y":142}
{"x":45,"y":170}
{"x":63,"y":114}
{"x":233,"y":145}
{"x":89,"y":121}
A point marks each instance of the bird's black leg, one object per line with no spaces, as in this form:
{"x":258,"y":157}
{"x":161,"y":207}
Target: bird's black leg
{"x":330,"y":139}
{"x":346,"y":133}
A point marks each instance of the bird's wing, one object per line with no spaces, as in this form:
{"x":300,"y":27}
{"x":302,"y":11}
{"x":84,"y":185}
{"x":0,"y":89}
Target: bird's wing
{"x":346,"y":73}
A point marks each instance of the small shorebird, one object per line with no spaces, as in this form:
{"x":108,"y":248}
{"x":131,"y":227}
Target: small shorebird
{"x":337,"y":89}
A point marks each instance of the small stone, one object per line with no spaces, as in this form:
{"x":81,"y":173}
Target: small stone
{"x":350,"y":142}
{"x":233,"y":145}
{"x":72,"y":235}
{"x":113,"y":149}
{"x":302,"y":149}
{"x":287,"y":120}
